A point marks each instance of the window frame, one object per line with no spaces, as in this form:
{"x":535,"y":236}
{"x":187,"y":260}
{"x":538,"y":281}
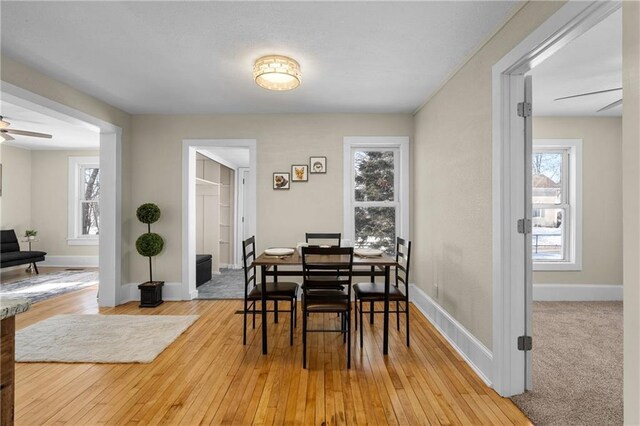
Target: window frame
{"x":74,"y":212}
{"x":400,"y":144}
{"x":571,"y":201}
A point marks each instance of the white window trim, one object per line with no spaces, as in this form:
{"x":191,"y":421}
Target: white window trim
{"x":73,"y":236}
{"x":400,"y":143}
{"x":575,"y":201}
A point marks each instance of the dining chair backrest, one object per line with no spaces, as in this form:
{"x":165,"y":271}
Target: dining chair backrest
{"x":248,"y":256}
{"x":403,"y":258}
{"x":320,"y":263}
{"x":323,"y":238}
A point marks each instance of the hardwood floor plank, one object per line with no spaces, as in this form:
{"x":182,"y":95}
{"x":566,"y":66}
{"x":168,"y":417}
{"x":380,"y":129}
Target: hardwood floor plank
{"x":207,"y":376}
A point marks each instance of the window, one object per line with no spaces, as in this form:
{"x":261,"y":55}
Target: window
{"x":84,"y":201}
{"x":376,"y":191}
{"x":556,"y":201}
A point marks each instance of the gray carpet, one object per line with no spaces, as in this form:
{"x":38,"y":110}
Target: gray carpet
{"x":44,"y":286}
{"x":577,"y":364}
{"x":229,"y":284}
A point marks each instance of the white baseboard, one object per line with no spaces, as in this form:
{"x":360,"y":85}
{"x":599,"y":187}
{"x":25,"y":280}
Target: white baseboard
{"x":576,"y":292}
{"x":171,"y":292}
{"x":479,"y":358}
{"x":71,"y":261}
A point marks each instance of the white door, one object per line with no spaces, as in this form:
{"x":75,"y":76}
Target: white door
{"x":528,"y":208}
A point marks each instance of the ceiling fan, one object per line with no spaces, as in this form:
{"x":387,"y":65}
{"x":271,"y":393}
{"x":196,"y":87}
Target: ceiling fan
{"x":604,"y":108}
{"x":5,"y":133}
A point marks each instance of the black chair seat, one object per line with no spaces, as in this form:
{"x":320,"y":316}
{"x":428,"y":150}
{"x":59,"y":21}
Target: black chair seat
{"x":375,"y":291}
{"x":279,"y":290}
{"x":23,"y":255}
{"x":201,"y":258}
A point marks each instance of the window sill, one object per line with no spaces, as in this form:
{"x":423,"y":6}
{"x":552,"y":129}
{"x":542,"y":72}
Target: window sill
{"x":83,"y":241}
{"x":556,"y":266}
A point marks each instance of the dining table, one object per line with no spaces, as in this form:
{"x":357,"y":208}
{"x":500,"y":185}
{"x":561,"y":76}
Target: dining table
{"x":291,"y":265}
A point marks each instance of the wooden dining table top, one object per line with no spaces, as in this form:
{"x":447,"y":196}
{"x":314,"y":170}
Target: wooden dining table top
{"x":296,"y":260}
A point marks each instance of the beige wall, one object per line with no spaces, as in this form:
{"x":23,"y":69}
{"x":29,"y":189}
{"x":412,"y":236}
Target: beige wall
{"x":452,"y":186}
{"x":16,"y":190}
{"x":50,"y":201}
{"x":282,"y":140}
{"x":601,"y":196}
{"x":631,"y":209}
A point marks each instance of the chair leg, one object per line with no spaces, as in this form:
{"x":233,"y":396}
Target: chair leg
{"x":343,"y":323}
{"x":304,"y":338}
{"x":292,"y":312}
{"x":407,"y":320}
{"x":295,"y":313}
{"x":244,"y":323}
{"x":371,"y":305}
{"x":361,"y":325}
{"x":275,"y":311}
{"x":398,"y":315}
{"x":36,"y":268}
{"x":348,"y":314}
{"x":355,"y":303}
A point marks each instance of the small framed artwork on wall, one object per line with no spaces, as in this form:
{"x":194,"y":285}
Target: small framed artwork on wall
{"x":318,"y":165}
{"x":299,"y":173}
{"x":281,"y":180}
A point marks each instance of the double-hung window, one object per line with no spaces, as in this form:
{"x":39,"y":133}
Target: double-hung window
{"x":376,"y":191}
{"x":84,"y":201}
{"x":556,"y":201}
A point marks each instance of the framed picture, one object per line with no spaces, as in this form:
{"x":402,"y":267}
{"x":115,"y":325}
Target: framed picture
{"x":317,"y":165}
{"x":299,"y":173}
{"x":281,"y":180}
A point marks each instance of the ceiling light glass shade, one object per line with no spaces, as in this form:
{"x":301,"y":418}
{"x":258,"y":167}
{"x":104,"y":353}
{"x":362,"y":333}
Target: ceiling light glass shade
{"x":277,"y":72}
{"x":3,"y":124}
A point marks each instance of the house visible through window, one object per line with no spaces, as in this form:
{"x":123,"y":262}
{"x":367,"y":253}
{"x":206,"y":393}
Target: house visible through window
{"x":84,"y":200}
{"x":376,"y":207}
{"x":556,"y":203}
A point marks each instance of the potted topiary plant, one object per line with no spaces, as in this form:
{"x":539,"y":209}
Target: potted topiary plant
{"x":149,"y":244}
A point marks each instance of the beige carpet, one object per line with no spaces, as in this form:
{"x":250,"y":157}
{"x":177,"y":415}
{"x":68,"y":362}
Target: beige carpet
{"x":100,"y":338}
{"x":577,"y":364}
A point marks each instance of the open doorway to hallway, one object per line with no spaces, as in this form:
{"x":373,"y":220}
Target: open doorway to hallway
{"x":50,"y":205}
{"x":576,"y":238}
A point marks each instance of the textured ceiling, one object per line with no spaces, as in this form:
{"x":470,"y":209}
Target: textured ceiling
{"x":590,"y":63}
{"x":196,"y":57}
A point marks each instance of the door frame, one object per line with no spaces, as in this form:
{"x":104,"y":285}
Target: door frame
{"x":509,"y":265}
{"x":110,"y":291}
{"x":240,"y":212}
{"x":189,"y":147}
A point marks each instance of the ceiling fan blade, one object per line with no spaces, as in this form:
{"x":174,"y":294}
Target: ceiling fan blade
{"x":611,"y":105}
{"x":27,"y":133}
{"x":589,"y":93}
{"x":5,"y":137}
{"x":3,"y":123}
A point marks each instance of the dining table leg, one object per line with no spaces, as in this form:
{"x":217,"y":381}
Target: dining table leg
{"x":385,"y":331}
{"x":263,"y":295}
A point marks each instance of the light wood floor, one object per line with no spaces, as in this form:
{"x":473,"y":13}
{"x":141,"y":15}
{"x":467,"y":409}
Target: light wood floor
{"x":207,"y":377}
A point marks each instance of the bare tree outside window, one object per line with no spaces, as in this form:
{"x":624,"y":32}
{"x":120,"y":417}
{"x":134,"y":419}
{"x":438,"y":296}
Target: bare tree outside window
{"x":90,"y":203}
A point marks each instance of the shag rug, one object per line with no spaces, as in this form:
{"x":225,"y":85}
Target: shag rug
{"x":100,"y":338}
{"x":40,"y":287}
{"x":577,"y":364}
{"x":229,"y":284}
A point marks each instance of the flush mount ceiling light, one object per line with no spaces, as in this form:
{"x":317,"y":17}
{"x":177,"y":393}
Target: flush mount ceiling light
{"x":275,"y":72}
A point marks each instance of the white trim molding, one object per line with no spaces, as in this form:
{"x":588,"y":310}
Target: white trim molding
{"x":479,"y":358}
{"x":577,"y":292}
{"x":71,"y":261}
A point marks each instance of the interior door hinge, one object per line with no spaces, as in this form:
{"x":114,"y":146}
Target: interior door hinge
{"x":525,"y":343}
{"x":524,"y":226}
{"x":524,"y":109}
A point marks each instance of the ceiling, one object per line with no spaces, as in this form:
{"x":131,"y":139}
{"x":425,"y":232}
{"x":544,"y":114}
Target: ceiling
{"x":197,"y":57}
{"x":238,"y":157}
{"x":590,"y":63}
{"x":65,"y":136}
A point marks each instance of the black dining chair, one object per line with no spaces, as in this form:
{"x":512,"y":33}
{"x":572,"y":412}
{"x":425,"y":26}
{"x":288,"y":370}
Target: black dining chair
{"x":398,"y":292}
{"x":332,"y":239}
{"x":276,"y":291}
{"x":327,"y":296}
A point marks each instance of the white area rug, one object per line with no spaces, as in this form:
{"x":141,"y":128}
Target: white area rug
{"x":100,"y":338}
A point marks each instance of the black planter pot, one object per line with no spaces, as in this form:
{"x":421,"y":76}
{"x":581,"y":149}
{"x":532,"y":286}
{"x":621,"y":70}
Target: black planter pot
{"x":151,"y":294}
